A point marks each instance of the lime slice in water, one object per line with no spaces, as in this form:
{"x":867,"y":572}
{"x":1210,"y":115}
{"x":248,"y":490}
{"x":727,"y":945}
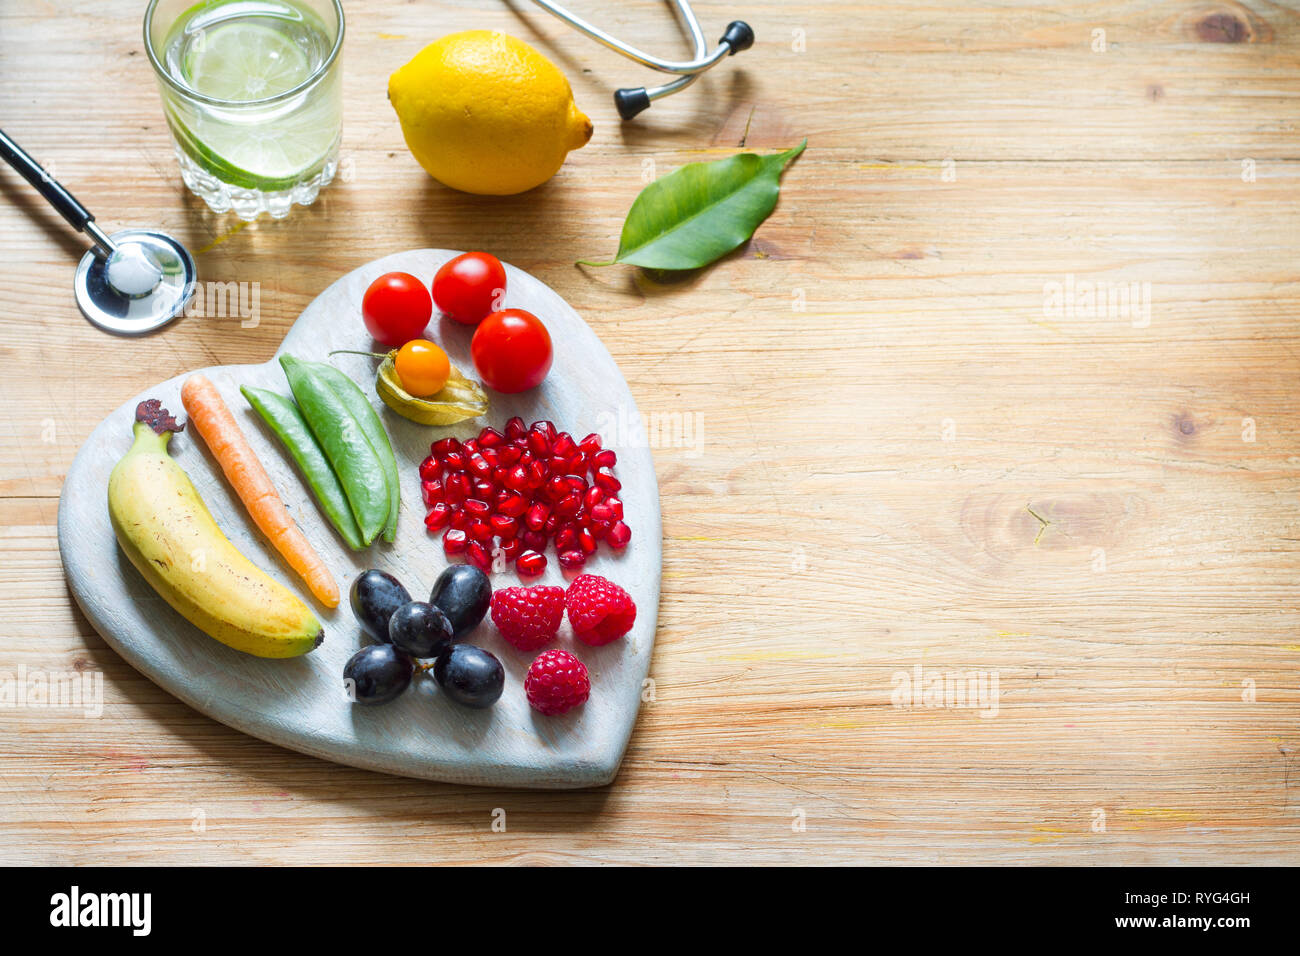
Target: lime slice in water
{"x":268,"y":151}
{"x":242,"y":60}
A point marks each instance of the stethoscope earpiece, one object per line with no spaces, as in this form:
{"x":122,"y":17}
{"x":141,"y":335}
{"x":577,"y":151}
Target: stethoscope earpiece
{"x":739,"y":36}
{"x":632,"y":100}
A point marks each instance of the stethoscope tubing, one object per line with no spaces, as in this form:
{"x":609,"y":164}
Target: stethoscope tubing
{"x":703,"y":59}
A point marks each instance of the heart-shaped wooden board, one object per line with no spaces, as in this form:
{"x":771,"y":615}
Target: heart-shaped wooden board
{"x":301,"y":703}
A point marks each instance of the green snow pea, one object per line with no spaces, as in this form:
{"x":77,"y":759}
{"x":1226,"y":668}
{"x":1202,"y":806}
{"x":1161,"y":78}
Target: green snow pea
{"x":345,"y":443}
{"x":355,"y":399}
{"x":287,"y":424}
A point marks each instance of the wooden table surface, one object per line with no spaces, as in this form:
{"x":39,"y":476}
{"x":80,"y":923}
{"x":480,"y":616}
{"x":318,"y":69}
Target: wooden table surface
{"x":923,"y":439}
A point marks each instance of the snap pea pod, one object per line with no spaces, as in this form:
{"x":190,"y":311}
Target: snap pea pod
{"x":344,"y":441}
{"x":357,"y":403}
{"x":287,"y":424}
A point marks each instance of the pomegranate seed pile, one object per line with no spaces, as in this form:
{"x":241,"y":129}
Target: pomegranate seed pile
{"x":521,"y":490}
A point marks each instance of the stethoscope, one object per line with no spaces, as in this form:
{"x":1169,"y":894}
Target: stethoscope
{"x":131,"y":282}
{"x":631,"y":101}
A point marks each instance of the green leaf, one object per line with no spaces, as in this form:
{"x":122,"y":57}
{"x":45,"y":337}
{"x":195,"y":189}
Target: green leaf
{"x":700,"y":212}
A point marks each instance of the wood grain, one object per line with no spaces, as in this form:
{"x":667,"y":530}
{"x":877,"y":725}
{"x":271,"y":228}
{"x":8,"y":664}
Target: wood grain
{"x":904,"y":458}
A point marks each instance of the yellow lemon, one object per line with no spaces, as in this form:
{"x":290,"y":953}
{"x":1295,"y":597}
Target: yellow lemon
{"x":485,"y":113}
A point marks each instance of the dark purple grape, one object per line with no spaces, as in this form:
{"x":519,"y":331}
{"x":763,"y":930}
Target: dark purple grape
{"x":470,"y":675}
{"x":376,"y":674}
{"x":463,"y":593}
{"x":420,"y":630}
{"x":375,"y":596}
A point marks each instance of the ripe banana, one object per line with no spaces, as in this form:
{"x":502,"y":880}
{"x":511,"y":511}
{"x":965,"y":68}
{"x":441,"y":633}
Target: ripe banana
{"x":166,"y":530}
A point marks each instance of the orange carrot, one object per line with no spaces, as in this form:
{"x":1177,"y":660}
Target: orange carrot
{"x":212,"y":418}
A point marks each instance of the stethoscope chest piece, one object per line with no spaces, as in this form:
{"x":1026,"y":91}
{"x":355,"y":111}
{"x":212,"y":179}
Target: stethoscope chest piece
{"x":143,"y":284}
{"x":132,"y":282}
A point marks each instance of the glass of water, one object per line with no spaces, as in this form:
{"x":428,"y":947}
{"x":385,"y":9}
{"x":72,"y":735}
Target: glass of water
{"x":252,"y":94}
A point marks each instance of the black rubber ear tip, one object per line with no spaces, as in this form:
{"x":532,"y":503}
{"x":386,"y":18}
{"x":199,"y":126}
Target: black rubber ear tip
{"x":630,"y":102}
{"x":739,"y":36}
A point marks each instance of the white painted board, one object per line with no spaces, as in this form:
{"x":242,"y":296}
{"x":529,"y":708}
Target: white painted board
{"x":301,"y":703}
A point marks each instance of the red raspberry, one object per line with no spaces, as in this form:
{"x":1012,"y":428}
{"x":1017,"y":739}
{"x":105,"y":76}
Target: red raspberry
{"x":599,"y":610}
{"x":528,"y":617}
{"x":557,"y":682}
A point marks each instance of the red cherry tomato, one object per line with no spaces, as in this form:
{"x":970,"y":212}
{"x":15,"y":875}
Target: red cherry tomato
{"x":470,"y":287}
{"x":511,"y":350}
{"x":396,"y":308}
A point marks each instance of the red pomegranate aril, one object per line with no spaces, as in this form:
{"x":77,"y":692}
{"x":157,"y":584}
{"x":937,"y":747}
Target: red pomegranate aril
{"x":568,"y":505}
{"x":479,"y":557}
{"x":511,"y":548}
{"x":445,"y":447}
{"x":599,"y":529}
{"x":453,"y":461}
{"x":616,"y":506}
{"x":491,"y":456}
{"x":605,"y":459}
{"x":572,"y":560}
{"x":430,"y":469}
{"x":460,"y":519}
{"x":578,"y":465}
{"x":537,"y":515}
{"x":479,"y":531}
{"x":499,"y":474}
{"x":552,"y":525}
{"x":594,"y":496}
{"x":515,"y":428}
{"x":468,"y":448}
{"x":619,"y":535}
{"x":431,"y":492}
{"x":537,"y":474}
{"x":490,"y":438}
{"x":477,"y":507}
{"x":456,"y":487}
{"x":504,"y":525}
{"x":538,"y":444}
{"x":512,"y":504}
{"x":586,"y":540}
{"x":478,"y":466}
{"x":576,"y":483}
{"x":509,"y":455}
{"x":566,"y":537}
{"x":455,"y":541}
{"x":564,"y":445}
{"x":534,"y":540}
{"x":516,"y":478}
{"x":556,"y":488}
{"x":484,"y":489}
{"x":607,"y":481}
{"x":590,"y":445}
{"x":438,"y":516}
{"x":547,"y":428}
{"x":602,"y":512}
{"x":557,"y":465}
{"x":530,"y":563}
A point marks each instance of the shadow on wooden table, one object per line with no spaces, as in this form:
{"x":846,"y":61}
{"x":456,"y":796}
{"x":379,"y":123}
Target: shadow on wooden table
{"x":30,"y":202}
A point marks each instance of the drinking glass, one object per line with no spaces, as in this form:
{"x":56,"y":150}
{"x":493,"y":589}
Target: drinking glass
{"x":252,"y":93}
